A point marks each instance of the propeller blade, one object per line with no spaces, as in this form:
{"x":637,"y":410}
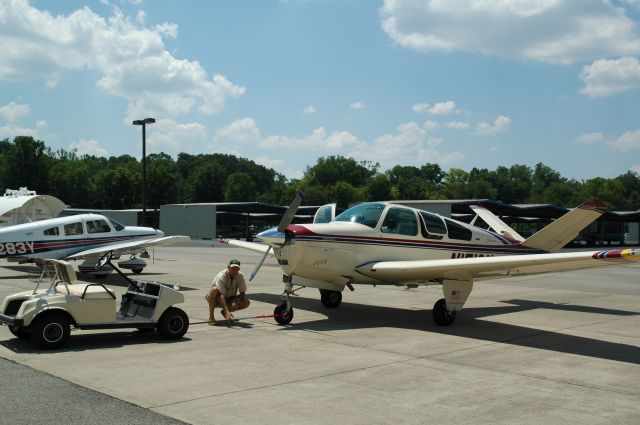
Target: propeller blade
{"x":287,"y":218}
{"x":264,"y":257}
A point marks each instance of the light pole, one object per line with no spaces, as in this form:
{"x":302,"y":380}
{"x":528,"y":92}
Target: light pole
{"x":144,"y":123}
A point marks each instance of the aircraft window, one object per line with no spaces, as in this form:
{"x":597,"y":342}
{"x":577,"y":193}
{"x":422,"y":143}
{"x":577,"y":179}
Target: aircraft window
{"x":457,"y":231}
{"x":324,"y":214}
{"x":73,"y":229}
{"x":116,"y":225}
{"x":97,"y":226}
{"x":435,"y":228}
{"x":400,"y":221}
{"x":53,"y":231}
{"x":367,"y":214}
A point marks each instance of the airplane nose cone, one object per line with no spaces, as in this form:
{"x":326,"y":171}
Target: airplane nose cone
{"x":271,"y":236}
{"x":159,"y":233}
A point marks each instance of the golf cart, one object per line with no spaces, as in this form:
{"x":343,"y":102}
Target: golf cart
{"x":46,"y":315}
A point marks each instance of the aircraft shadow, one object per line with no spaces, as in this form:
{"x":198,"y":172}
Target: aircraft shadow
{"x":468,"y":324}
{"x":92,"y":341}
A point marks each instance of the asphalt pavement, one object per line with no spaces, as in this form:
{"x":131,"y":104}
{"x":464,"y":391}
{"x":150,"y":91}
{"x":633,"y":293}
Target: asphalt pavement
{"x":556,"y":348}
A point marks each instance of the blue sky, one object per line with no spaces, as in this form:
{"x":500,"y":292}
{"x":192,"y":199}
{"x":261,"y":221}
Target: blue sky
{"x":460,"y":83}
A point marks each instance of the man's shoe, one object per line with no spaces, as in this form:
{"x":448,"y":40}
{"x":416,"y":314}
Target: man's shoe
{"x":211,"y":322}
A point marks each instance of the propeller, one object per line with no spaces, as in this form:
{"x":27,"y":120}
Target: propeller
{"x":286,"y":220}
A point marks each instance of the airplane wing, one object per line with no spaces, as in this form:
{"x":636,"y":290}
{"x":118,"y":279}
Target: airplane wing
{"x":493,"y":267}
{"x":257,"y":247}
{"x":129,"y":247}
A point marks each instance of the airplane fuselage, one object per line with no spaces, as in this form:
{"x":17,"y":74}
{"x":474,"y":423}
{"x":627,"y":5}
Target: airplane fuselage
{"x":61,"y":237}
{"x":331,"y":252}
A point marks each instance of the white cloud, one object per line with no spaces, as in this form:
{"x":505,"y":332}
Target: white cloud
{"x":430,"y":125}
{"x":443,"y":108}
{"x":589,"y":138}
{"x":410,"y":145}
{"x":280,"y":166}
{"x":501,"y":124}
{"x":628,"y":141}
{"x":555,"y":31}
{"x":606,"y":77}
{"x":171,"y":137}
{"x":130,"y":58}
{"x":309,"y":110}
{"x":317,"y":140}
{"x":356,"y":105}
{"x":420,"y":108}
{"x":242,"y":130}
{"x":88,"y":147}
{"x":12,"y":111}
{"x":457,"y":125}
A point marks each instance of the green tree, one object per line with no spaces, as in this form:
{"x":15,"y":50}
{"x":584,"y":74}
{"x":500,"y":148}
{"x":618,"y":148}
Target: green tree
{"x":239,"y":187}
{"x":163,"y":180}
{"x":206,"y":183}
{"x":342,"y":193}
{"x":330,"y":170}
{"x":27,"y":163}
{"x":379,"y":188}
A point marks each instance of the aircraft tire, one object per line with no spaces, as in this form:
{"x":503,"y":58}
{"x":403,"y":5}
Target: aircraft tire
{"x":136,"y":271}
{"x":51,"y":330}
{"x":441,"y":316}
{"x":19,"y":332}
{"x":330,"y":299}
{"x":282,"y":309}
{"x":173,"y":323}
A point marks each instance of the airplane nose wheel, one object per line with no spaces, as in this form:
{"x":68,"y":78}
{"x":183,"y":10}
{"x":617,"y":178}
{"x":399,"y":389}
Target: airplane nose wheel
{"x":441,"y":315}
{"x":284,"y":312}
{"x":283,"y":317}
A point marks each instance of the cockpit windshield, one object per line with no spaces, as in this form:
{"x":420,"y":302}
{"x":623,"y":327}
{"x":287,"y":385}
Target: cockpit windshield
{"x":117,"y":225}
{"x":367,"y":214}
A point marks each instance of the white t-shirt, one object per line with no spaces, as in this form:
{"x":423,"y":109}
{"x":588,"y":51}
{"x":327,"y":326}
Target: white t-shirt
{"x":227,"y":286}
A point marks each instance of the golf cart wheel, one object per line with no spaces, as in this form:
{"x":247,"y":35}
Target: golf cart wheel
{"x":441,"y":315}
{"x":330,"y":299}
{"x":136,"y":271}
{"x":51,"y":330}
{"x":21,"y":333}
{"x":286,"y":316}
{"x":173,"y":323}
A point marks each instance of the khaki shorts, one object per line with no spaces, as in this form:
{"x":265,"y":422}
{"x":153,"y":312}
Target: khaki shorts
{"x":230,"y":300}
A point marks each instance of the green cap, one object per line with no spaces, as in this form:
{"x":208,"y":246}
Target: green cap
{"x":234,"y":263}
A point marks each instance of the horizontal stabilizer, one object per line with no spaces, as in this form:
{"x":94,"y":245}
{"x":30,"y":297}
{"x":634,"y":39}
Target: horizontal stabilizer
{"x":565,"y":229}
{"x":499,"y":226}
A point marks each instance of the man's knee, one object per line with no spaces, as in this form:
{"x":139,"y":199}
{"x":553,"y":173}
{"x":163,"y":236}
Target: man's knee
{"x":214,"y":297}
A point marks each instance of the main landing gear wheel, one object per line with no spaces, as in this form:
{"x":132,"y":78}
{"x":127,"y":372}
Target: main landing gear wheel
{"x":283,"y":317}
{"x":330,"y":299}
{"x":441,"y":315}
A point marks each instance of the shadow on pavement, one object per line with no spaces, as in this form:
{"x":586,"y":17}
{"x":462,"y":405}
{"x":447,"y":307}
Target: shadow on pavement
{"x":468,"y":324}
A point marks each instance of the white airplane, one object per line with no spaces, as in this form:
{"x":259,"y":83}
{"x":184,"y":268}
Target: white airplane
{"x":81,"y":237}
{"x":380,"y":243}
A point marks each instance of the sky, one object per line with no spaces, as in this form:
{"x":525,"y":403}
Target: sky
{"x":463,"y":84}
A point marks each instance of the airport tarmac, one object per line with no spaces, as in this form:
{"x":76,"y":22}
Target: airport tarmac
{"x":556,"y":348}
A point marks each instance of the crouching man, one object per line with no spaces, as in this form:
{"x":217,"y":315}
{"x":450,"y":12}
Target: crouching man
{"x":228,"y":292}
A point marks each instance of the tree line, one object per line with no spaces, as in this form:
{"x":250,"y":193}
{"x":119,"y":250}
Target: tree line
{"x":87,"y":181}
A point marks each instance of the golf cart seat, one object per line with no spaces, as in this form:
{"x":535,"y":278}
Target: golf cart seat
{"x":66,"y":274}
